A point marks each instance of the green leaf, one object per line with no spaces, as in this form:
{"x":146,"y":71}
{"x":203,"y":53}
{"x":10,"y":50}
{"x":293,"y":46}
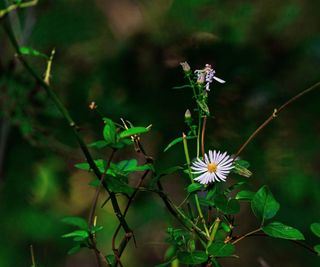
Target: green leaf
{"x":204,"y":107}
{"x":245,"y":195}
{"x":77,"y":233}
{"x":31,"y":52}
{"x":165,"y":263}
{"x":227,"y":206}
{"x":74,"y":250}
{"x":280,"y":230}
{"x":241,"y":167}
{"x":315,"y":228}
{"x":118,"y":185}
{"x":109,"y":131}
{"x":263,"y":204}
{"x":98,"y":144}
{"x":95,"y":229}
{"x":101,"y":164}
{"x":176,"y":141}
{"x":111,"y":259}
{"x":220,"y":249}
{"x":133,"y":131}
{"x":196,"y":257}
{"x":76,"y":221}
{"x":317,"y":249}
{"x":194,"y":187}
{"x":122,"y":143}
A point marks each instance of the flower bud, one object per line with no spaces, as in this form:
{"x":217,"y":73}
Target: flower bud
{"x":185,"y":66}
{"x":187,"y":117}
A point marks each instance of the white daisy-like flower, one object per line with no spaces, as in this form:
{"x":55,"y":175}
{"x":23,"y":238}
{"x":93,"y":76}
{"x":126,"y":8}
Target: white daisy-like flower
{"x":214,"y":167}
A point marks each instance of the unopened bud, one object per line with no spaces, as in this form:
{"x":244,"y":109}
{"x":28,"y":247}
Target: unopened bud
{"x":93,"y":105}
{"x":185,"y":66}
{"x":187,"y":117}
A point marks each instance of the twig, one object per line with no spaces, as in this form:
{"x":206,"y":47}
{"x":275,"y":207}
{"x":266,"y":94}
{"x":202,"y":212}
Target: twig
{"x":274,"y":115}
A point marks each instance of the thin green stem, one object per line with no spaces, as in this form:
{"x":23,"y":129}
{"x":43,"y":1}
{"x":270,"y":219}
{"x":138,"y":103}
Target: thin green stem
{"x":186,"y":152}
{"x":214,"y":231}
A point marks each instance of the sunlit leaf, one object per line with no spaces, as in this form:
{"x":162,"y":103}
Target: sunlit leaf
{"x":77,"y":233}
{"x":31,"y":52}
{"x":133,"y":131}
{"x":220,"y":249}
{"x":194,"y":187}
{"x":109,"y":131}
{"x":280,"y":230}
{"x":245,"y":195}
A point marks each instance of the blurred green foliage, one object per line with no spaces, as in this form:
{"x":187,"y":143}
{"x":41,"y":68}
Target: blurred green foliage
{"x":125,"y":56}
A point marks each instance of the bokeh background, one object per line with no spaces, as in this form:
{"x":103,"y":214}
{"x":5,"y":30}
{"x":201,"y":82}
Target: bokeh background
{"x":125,"y":55}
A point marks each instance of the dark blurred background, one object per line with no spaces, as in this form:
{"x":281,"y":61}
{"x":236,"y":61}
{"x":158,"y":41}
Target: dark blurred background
{"x":125,"y":55}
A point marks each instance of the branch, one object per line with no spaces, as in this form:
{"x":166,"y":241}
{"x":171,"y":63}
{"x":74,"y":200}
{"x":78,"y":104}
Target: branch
{"x":274,"y":115}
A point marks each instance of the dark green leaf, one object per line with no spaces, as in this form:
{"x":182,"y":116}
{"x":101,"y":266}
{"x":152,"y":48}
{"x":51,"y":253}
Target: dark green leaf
{"x":74,"y":250}
{"x":165,"y":263}
{"x":101,"y":164}
{"x":220,"y":249}
{"x":133,"y":131}
{"x":76,"y":221}
{"x":31,"y":52}
{"x":263,"y":204}
{"x":122,"y":143}
{"x":77,"y":233}
{"x":196,"y":257}
{"x":111,"y":259}
{"x":317,"y":249}
{"x":176,"y":141}
{"x":117,"y":185}
{"x":280,"y":230}
{"x":109,"y":131}
{"x":227,"y":206}
{"x":315,"y":228}
{"x":98,"y":144}
{"x":194,"y":187}
{"x":245,"y":195}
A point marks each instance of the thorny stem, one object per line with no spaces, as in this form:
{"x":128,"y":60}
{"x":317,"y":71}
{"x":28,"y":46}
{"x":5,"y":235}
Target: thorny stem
{"x":70,"y":121}
{"x":274,"y":115}
{"x":186,"y":152}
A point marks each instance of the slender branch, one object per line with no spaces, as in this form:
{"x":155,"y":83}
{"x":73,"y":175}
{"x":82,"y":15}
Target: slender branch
{"x":274,"y":115}
{"x":13,"y":7}
{"x":70,"y":121}
{"x":246,"y":235}
{"x":202,"y":134}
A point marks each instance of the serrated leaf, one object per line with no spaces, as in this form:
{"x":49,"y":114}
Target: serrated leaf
{"x":280,"y":230}
{"x":133,"y":131}
{"x":31,"y":52}
{"x":75,"y":221}
{"x":245,"y":195}
{"x":263,"y":204}
{"x":194,"y":187}
{"x":77,"y":233}
{"x":196,"y":257}
{"x":220,"y":249}
{"x":317,"y":249}
{"x":315,"y":228}
{"x":176,"y":141}
{"x":74,"y":250}
{"x":109,"y":131}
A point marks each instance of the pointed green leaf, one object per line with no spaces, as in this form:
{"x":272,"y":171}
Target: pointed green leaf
{"x":76,"y":221}
{"x":220,"y":249}
{"x":31,"y":52}
{"x":133,"y":131}
{"x":194,"y":187}
{"x":280,"y":230}
{"x":264,"y":205}
{"x":196,"y":257}
{"x":74,"y":250}
{"x":98,"y":144}
{"x":109,"y":131}
{"x":315,"y":228}
{"x":317,"y":249}
{"x":245,"y":195}
{"x":176,"y":141}
{"x":77,"y":233}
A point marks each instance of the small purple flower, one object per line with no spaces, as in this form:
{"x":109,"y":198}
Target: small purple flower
{"x":207,"y":75}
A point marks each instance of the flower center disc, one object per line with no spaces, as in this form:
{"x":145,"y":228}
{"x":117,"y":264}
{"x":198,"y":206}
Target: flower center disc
{"x":212,"y":167}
